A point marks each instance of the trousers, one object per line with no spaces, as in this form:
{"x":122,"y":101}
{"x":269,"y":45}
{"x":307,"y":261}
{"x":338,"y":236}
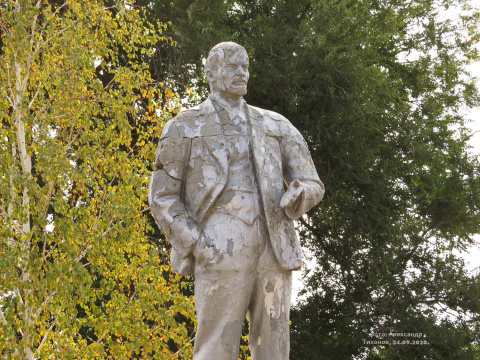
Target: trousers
{"x":236,"y":276}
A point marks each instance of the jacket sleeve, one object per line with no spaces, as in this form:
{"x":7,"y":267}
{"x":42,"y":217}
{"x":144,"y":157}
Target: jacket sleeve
{"x":298,"y":165}
{"x":165,"y":194}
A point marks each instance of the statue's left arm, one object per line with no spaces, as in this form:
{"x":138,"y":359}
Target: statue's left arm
{"x":305,"y":190}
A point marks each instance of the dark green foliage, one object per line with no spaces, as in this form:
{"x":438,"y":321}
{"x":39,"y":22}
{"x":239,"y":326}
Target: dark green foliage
{"x":378,"y":89}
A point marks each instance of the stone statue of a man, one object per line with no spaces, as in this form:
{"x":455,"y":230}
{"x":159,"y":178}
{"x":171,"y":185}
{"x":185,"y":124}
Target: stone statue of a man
{"x":218,"y":193}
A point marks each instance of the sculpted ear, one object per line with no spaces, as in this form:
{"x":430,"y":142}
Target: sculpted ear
{"x":209,"y":75}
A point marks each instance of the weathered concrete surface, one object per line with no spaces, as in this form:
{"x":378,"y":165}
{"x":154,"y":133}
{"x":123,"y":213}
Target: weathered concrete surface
{"x":218,"y":194}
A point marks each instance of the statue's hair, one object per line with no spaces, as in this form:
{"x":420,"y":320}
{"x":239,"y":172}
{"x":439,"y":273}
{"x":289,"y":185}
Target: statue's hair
{"x":216,"y":55}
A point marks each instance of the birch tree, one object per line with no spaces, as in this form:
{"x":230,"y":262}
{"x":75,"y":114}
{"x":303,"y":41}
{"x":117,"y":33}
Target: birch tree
{"x":80,"y":277}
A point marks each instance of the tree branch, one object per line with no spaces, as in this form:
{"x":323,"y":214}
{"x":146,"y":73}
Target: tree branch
{"x":2,"y":317}
{"x":45,"y":302}
{"x":44,"y":339}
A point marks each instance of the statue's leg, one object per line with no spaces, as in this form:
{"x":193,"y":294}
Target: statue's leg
{"x":224,"y":280}
{"x":269,"y":311}
{"x":221,"y":309}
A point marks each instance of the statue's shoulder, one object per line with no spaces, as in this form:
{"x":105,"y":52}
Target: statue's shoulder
{"x":266,"y":114}
{"x":272,"y":122}
{"x":186,"y":124}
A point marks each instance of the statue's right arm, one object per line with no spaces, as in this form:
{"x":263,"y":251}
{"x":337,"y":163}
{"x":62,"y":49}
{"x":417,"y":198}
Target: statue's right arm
{"x":166,"y":186}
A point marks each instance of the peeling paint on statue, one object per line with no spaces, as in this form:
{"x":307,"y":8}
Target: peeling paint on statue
{"x":218,"y":195}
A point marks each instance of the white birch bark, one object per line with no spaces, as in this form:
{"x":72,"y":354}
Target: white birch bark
{"x":21,"y":81}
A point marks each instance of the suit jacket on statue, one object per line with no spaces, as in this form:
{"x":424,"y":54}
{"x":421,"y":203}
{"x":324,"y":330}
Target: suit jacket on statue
{"x":191,"y":170}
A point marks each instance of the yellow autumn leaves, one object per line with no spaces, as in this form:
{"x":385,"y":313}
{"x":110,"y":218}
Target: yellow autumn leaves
{"x":85,"y":276}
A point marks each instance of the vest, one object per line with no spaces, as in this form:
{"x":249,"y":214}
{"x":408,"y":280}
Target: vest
{"x":240,"y":197}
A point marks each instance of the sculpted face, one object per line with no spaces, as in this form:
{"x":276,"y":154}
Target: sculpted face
{"x":231,"y":75}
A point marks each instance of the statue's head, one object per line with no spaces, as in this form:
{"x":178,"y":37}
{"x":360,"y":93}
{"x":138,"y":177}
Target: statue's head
{"x":226,"y":69}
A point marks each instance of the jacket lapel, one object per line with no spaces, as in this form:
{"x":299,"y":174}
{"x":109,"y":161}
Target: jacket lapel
{"x":258,"y":147}
{"x":213,"y":174}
